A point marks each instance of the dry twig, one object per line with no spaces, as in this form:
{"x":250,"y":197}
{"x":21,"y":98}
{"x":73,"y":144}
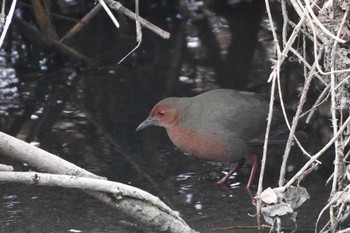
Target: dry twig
{"x":334,"y":75}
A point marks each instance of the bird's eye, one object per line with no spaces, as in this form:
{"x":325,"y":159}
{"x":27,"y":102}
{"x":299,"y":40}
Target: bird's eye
{"x":161,"y":113}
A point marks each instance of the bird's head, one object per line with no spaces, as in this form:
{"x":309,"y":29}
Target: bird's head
{"x":164,"y":115}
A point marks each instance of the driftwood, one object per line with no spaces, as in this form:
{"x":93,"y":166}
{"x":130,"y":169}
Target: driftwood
{"x":138,"y":204}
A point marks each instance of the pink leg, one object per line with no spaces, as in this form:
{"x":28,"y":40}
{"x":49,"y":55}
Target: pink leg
{"x":234,"y":168}
{"x":255,"y":166}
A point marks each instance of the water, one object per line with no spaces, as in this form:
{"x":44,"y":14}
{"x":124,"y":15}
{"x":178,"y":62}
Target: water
{"x":88,"y":115}
{"x":102,"y":139}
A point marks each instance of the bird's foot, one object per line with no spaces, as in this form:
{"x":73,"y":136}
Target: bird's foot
{"x":234,"y":168}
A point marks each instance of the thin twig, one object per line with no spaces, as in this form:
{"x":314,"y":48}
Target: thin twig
{"x":119,"y":7}
{"x":83,"y":22}
{"x":342,"y":82}
{"x":320,"y":215}
{"x":318,"y":154}
{"x":59,"y":16}
{"x":321,"y":98}
{"x":273,"y":76}
{"x":285,"y":22}
{"x":282,"y":55}
{"x":304,"y":31}
{"x":109,"y":13}
{"x":302,"y":12}
{"x":293,"y":128}
{"x":287,"y":122}
{"x":315,"y":35}
{"x":138,"y":32}
{"x":34,"y":35}
{"x":320,"y":25}
{"x":8,"y":22}
{"x":338,"y":161}
{"x":263,"y":160}
{"x":303,"y":60}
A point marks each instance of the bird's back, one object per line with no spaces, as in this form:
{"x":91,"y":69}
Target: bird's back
{"x":229,"y":116}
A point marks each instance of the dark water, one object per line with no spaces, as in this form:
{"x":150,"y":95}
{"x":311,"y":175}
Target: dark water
{"x":88,"y":116}
{"x":96,"y":131}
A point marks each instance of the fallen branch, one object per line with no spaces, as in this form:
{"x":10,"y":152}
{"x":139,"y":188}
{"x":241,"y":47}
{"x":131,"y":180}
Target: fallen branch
{"x":118,"y":190}
{"x":143,"y":211}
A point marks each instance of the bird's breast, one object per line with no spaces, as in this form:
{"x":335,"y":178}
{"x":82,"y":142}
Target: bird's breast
{"x":198,"y":145}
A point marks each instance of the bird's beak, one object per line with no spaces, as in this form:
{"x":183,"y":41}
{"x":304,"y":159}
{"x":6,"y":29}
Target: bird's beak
{"x":146,"y":123}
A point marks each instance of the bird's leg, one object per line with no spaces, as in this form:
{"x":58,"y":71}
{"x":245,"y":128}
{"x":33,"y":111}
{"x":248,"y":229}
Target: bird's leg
{"x":234,"y":168}
{"x":255,"y":166}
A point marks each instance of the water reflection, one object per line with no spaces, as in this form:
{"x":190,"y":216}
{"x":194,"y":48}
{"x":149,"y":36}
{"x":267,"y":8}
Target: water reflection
{"x":235,"y":185}
{"x":185,"y":176}
{"x":10,"y":201}
{"x":193,"y":42}
{"x":89,"y":118}
{"x":188,"y":198}
{"x":198,"y":206}
{"x":74,"y":230}
{"x":11,"y":206}
{"x":9,"y":94}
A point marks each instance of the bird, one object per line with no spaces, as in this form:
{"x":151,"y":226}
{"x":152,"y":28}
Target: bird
{"x":219,"y":125}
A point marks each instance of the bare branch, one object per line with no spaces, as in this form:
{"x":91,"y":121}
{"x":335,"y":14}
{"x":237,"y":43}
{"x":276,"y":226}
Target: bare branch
{"x":119,"y":7}
{"x":142,"y":211}
{"x":119,"y":190}
{"x":8,"y":22}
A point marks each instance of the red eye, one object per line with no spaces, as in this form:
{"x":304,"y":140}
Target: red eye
{"x":161,"y":113}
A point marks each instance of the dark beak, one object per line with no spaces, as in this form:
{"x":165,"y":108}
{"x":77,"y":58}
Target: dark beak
{"x":146,"y":123}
